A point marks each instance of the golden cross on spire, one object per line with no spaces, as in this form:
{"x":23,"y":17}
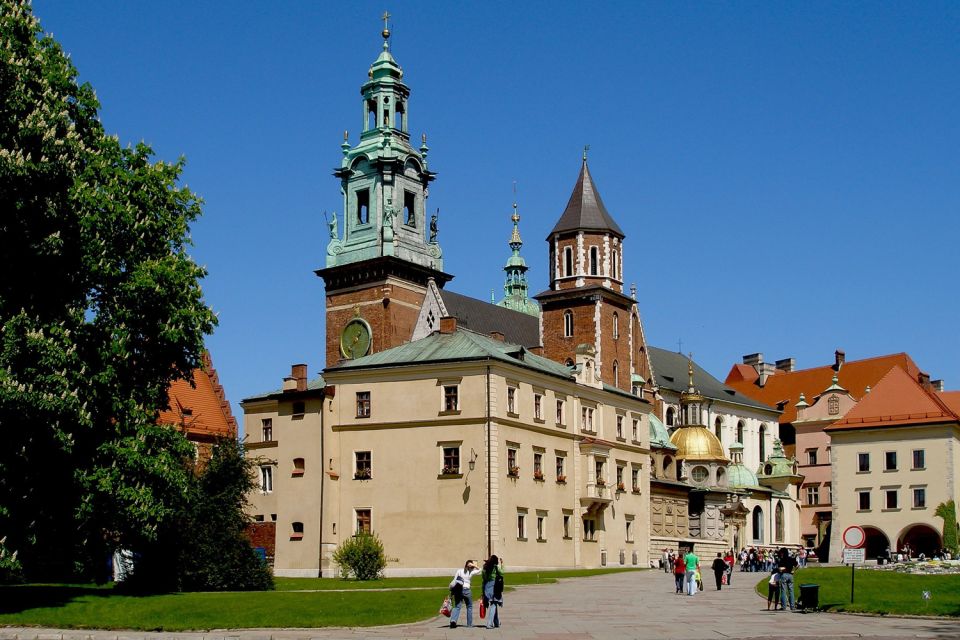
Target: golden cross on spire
{"x":386,"y":28}
{"x":586,"y":148}
{"x":385,"y":17}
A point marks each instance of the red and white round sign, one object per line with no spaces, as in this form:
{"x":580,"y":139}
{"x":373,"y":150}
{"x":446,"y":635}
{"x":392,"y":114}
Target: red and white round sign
{"x":854,"y":537}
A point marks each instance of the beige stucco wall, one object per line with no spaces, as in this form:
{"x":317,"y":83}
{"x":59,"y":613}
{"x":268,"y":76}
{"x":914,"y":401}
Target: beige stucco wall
{"x":939,"y":443}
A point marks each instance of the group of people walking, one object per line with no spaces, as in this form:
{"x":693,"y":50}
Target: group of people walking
{"x":492,"y":587}
{"x":781,"y":564}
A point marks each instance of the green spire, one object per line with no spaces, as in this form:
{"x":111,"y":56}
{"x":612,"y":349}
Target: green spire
{"x":515,"y":286}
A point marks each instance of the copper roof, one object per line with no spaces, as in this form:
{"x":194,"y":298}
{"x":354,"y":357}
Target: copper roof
{"x":585,"y":210}
{"x":786,"y":387}
{"x":898,"y":400}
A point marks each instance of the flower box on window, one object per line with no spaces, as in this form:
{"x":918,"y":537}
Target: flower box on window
{"x":538,"y":475}
{"x":450,"y":471}
{"x":361,"y":474}
{"x":601,"y":482}
{"x":561,"y":479}
{"x":636,"y":488}
{"x":513,"y":472}
{"x":621,"y":487}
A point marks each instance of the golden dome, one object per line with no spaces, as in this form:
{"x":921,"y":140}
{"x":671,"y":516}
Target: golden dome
{"x":697,"y":443}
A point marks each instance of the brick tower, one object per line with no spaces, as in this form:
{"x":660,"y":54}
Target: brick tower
{"x":585,"y":304}
{"x":376,"y":273}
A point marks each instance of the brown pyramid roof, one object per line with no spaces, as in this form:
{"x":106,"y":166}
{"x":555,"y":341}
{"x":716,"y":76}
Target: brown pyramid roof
{"x":897,"y":400}
{"x":585,"y":210}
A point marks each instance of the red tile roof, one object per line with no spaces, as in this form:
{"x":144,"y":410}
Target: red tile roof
{"x":782,"y":387}
{"x":201,"y":409}
{"x":897,"y":400}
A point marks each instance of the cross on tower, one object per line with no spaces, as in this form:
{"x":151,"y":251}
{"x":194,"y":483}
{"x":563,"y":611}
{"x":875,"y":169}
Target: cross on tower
{"x":385,"y":17}
{"x":586,"y":148}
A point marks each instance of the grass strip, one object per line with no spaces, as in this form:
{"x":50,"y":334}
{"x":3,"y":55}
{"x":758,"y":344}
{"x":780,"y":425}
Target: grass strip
{"x":879,"y":592}
{"x":334,"y":603}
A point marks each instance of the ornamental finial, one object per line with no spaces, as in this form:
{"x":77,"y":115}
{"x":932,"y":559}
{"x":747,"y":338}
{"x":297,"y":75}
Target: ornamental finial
{"x":586,"y":148}
{"x":386,"y":29}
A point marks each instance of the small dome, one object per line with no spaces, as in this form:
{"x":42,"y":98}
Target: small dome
{"x":697,"y":443}
{"x":739,"y":476}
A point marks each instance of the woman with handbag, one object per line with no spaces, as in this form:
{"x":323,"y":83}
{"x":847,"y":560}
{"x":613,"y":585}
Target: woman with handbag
{"x":460,"y":589}
{"x":492,"y":579}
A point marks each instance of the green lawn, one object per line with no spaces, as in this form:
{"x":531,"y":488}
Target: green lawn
{"x":83,"y":606}
{"x":883,"y":592}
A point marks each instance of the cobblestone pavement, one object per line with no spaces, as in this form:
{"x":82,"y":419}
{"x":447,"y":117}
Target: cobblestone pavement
{"x":623,"y":605}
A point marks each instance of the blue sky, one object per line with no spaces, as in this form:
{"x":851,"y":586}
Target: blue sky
{"x":787,"y":174}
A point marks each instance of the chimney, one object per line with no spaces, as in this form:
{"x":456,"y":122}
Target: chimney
{"x":448,"y":324}
{"x":786,"y":365}
{"x":839,"y":357}
{"x":496,"y":335}
{"x":299,"y":373}
{"x":765,"y":369}
{"x":937,"y":385}
{"x":924,"y":380}
{"x":753,"y":359}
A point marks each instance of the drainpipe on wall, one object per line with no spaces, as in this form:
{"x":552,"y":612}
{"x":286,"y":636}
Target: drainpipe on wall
{"x":489,"y":479}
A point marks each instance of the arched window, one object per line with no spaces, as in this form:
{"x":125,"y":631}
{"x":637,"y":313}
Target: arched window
{"x":718,"y":428}
{"x":667,"y":461}
{"x":721,"y":477}
{"x":669,"y":417}
{"x":763,"y":442}
{"x":568,"y":324}
{"x":778,"y":522}
{"x":757,"y":522}
{"x":568,"y":261}
{"x":616,"y":374}
{"x":740,"y":431}
{"x":616,"y":326}
{"x":594,"y":261}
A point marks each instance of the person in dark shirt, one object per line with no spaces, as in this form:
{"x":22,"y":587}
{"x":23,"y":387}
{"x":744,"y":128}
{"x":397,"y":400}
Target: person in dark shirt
{"x":787,"y":565}
{"x":719,"y":568}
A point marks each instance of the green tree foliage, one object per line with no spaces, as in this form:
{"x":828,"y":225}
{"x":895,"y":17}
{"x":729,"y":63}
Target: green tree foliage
{"x":362,"y":556}
{"x":203,"y":546}
{"x":948,"y":511}
{"x":100,"y":309}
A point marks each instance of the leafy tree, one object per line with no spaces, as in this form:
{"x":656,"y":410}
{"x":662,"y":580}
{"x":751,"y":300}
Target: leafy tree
{"x":203,"y":546}
{"x":100,"y":309}
{"x":361,"y":555}
{"x":948,"y":511}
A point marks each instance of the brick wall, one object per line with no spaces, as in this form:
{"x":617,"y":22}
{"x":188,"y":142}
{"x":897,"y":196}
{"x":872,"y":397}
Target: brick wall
{"x":264,"y":535}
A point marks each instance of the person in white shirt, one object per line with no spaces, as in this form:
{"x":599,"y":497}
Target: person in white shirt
{"x":460,"y":588}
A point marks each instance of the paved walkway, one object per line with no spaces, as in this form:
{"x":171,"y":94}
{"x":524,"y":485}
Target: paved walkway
{"x":623,"y":605}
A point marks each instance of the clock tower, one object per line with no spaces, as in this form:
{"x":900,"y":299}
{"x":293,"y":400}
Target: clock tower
{"x":383,"y":249}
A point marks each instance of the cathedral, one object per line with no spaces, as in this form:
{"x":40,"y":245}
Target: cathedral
{"x":454,"y":428}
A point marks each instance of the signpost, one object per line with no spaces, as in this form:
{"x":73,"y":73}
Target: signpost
{"x":853,"y":553}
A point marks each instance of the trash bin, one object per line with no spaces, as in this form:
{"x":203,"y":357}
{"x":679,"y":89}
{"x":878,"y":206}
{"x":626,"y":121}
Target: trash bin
{"x":809,"y":596}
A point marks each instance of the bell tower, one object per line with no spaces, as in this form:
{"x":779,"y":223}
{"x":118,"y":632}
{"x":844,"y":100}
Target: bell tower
{"x":585,"y":304}
{"x":377,"y":269}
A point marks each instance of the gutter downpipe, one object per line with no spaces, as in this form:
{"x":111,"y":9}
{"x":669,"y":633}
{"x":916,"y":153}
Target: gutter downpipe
{"x":489,"y":479}
{"x":323,"y":403}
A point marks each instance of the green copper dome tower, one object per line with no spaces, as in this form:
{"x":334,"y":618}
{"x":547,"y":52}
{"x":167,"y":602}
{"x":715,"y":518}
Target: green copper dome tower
{"x":515,"y":286}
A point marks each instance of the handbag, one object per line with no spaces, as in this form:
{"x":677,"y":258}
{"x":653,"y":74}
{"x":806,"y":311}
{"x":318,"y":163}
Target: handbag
{"x":483,"y":610}
{"x":445,"y":607}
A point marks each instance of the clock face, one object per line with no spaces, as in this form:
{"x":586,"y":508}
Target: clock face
{"x":355,"y":339}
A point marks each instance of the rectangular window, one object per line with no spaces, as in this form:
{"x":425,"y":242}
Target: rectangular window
{"x":811,"y":456}
{"x":266,"y":478}
{"x":521,"y":525}
{"x":568,"y":261}
{"x":363,"y":206}
{"x":629,"y":531}
{"x":511,"y":400}
{"x":451,"y":460}
{"x":813,"y":494}
{"x":589,"y":528}
{"x":636,"y":430}
{"x":363,"y":467}
{"x":890,"y":461}
{"x":620,"y":484}
{"x":561,"y":474}
{"x":919,"y":459}
{"x":299,"y":408}
{"x":451,"y":397}
{"x":829,"y":488}
{"x":363,"y":404}
{"x":892,"y":502}
{"x":541,"y":528}
{"x":559,"y":411}
{"x":620,"y":427}
{"x":537,"y":406}
{"x":538,"y":465}
{"x":566,"y":525}
{"x":598,"y":464}
{"x":513,"y":468}
{"x":363,"y":521}
{"x":409,"y":208}
{"x":635,"y":479}
{"x":863,"y":498}
{"x":267,"y":426}
{"x":920,"y":498}
{"x":863,"y":462}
